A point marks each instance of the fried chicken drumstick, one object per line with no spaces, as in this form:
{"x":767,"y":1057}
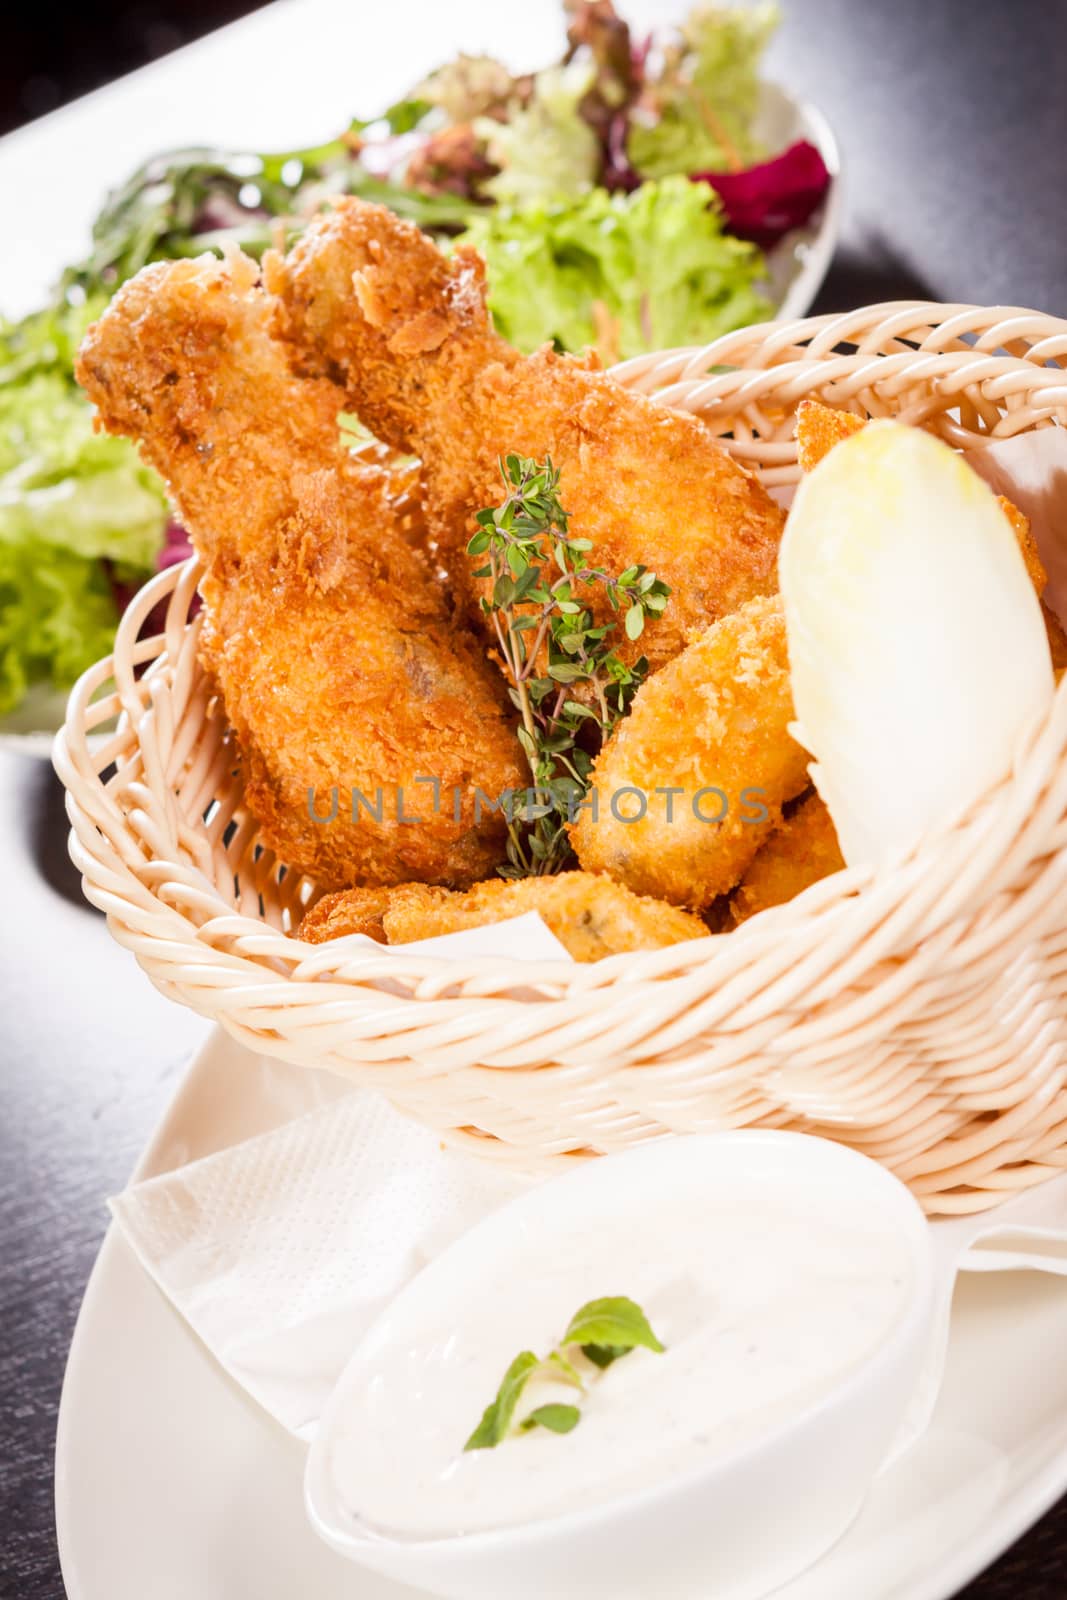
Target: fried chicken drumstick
{"x":339,"y":662}
{"x":369,"y":301}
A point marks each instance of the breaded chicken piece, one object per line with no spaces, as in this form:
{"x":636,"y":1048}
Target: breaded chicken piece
{"x":1057,"y":641}
{"x":691,"y":782}
{"x":802,"y":849}
{"x":339,"y":663}
{"x":1020,"y":526}
{"x":370,"y":301}
{"x":335,"y":916}
{"x":591,"y":916}
{"x":819,"y":428}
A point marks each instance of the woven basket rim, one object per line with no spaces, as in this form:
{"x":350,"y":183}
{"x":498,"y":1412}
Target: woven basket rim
{"x":837,"y":895}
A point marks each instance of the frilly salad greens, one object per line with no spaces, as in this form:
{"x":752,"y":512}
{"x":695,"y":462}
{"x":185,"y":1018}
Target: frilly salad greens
{"x":574,"y":181}
{"x":79,"y":512}
{"x":626,"y":272}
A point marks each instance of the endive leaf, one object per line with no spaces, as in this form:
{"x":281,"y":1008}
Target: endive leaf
{"x":916,"y":643}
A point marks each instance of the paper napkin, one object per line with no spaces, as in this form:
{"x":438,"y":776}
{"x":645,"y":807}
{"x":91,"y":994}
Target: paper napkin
{"x":281,"y":1251}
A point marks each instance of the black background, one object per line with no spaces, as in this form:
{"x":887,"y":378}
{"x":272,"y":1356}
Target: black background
{"x":953,"y":121}
{"x":53,"y":50}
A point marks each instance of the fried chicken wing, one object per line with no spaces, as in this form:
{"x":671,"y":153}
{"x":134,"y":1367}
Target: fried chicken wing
{"x":368,"y":300}
{"x":591,"y":916}
{"x":801,"y":850}
{"x":691,"y":782}
{"x":340,"y":665}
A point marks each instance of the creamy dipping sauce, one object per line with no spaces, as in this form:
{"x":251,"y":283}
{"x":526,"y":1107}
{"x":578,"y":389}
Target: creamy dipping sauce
{"x":766,"y":1295}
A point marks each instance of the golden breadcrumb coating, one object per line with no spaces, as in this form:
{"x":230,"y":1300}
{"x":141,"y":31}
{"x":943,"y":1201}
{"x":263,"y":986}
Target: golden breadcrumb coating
{"x":339,"y":662}
{"x":591,"y":916}
{"x":802,"y":849}
{"x":711,"y":727}
{"x":370,"y":301}
{"x":819,"y":428}
{"x":1057,"y":640}
{"x":344,"y":912}
{"x":1020,"y":526}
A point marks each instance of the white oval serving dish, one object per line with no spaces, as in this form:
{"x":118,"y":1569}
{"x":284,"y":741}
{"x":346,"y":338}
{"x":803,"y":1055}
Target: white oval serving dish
{"x":737,"y":1527}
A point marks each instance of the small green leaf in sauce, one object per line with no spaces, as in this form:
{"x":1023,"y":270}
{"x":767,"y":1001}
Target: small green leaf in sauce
{"x":611,"y":1328}
{"x":603,"y":1330}
{"x":496,"y":1418}
{"x":560,"y":1419}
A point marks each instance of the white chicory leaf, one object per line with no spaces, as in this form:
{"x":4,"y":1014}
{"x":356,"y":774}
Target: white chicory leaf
{"x":916,"y":643}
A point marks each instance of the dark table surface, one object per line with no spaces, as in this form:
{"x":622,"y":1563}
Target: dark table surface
{"x":953,"y":119}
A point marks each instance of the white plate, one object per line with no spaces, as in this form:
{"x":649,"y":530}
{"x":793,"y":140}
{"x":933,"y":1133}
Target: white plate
{"x":798,"y":264}
{"x":171,"y":1484}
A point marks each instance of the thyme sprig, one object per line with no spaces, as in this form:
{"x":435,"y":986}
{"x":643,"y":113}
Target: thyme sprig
{"x":566,"y":678}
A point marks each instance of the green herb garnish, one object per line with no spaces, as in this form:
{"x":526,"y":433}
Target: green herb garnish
{"x":558,"y":1419}
{"x":496,"y":1418}
{"x":618,"y":1320}
{"x":568,"y":682}
{"x":608,"y":1329}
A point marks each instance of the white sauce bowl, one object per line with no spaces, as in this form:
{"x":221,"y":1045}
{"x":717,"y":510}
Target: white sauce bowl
{"x":735,"y":1526}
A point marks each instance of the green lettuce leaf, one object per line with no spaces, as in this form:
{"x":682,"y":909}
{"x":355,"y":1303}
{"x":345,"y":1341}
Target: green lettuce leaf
{"x":65,"y":486}
{"x":654,"y":265}
{"x":57,"y":616}
{"x":46,"y":341}
{"x":697,"y":115}
{"x":70,"y":499}
{"x":545,"y":150}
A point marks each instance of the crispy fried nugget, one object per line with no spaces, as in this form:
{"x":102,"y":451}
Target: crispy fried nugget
{"x":801,"y":850}
{"x":339,"y":662}
{"x":369,"y":300}
{"x":591,"y":916}
{"x":335,"y":916}
{"x":692,"y":781}
{"x":819,"y":428}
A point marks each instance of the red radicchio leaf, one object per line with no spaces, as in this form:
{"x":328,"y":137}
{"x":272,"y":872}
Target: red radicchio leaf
{"x":174,"y":549}
{"x":176,"y":546}
{"x":764,"y":202}
{"x":617,"y":171}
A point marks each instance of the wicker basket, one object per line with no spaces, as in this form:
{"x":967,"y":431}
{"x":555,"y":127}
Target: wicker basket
{"x":919,"y":1015}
